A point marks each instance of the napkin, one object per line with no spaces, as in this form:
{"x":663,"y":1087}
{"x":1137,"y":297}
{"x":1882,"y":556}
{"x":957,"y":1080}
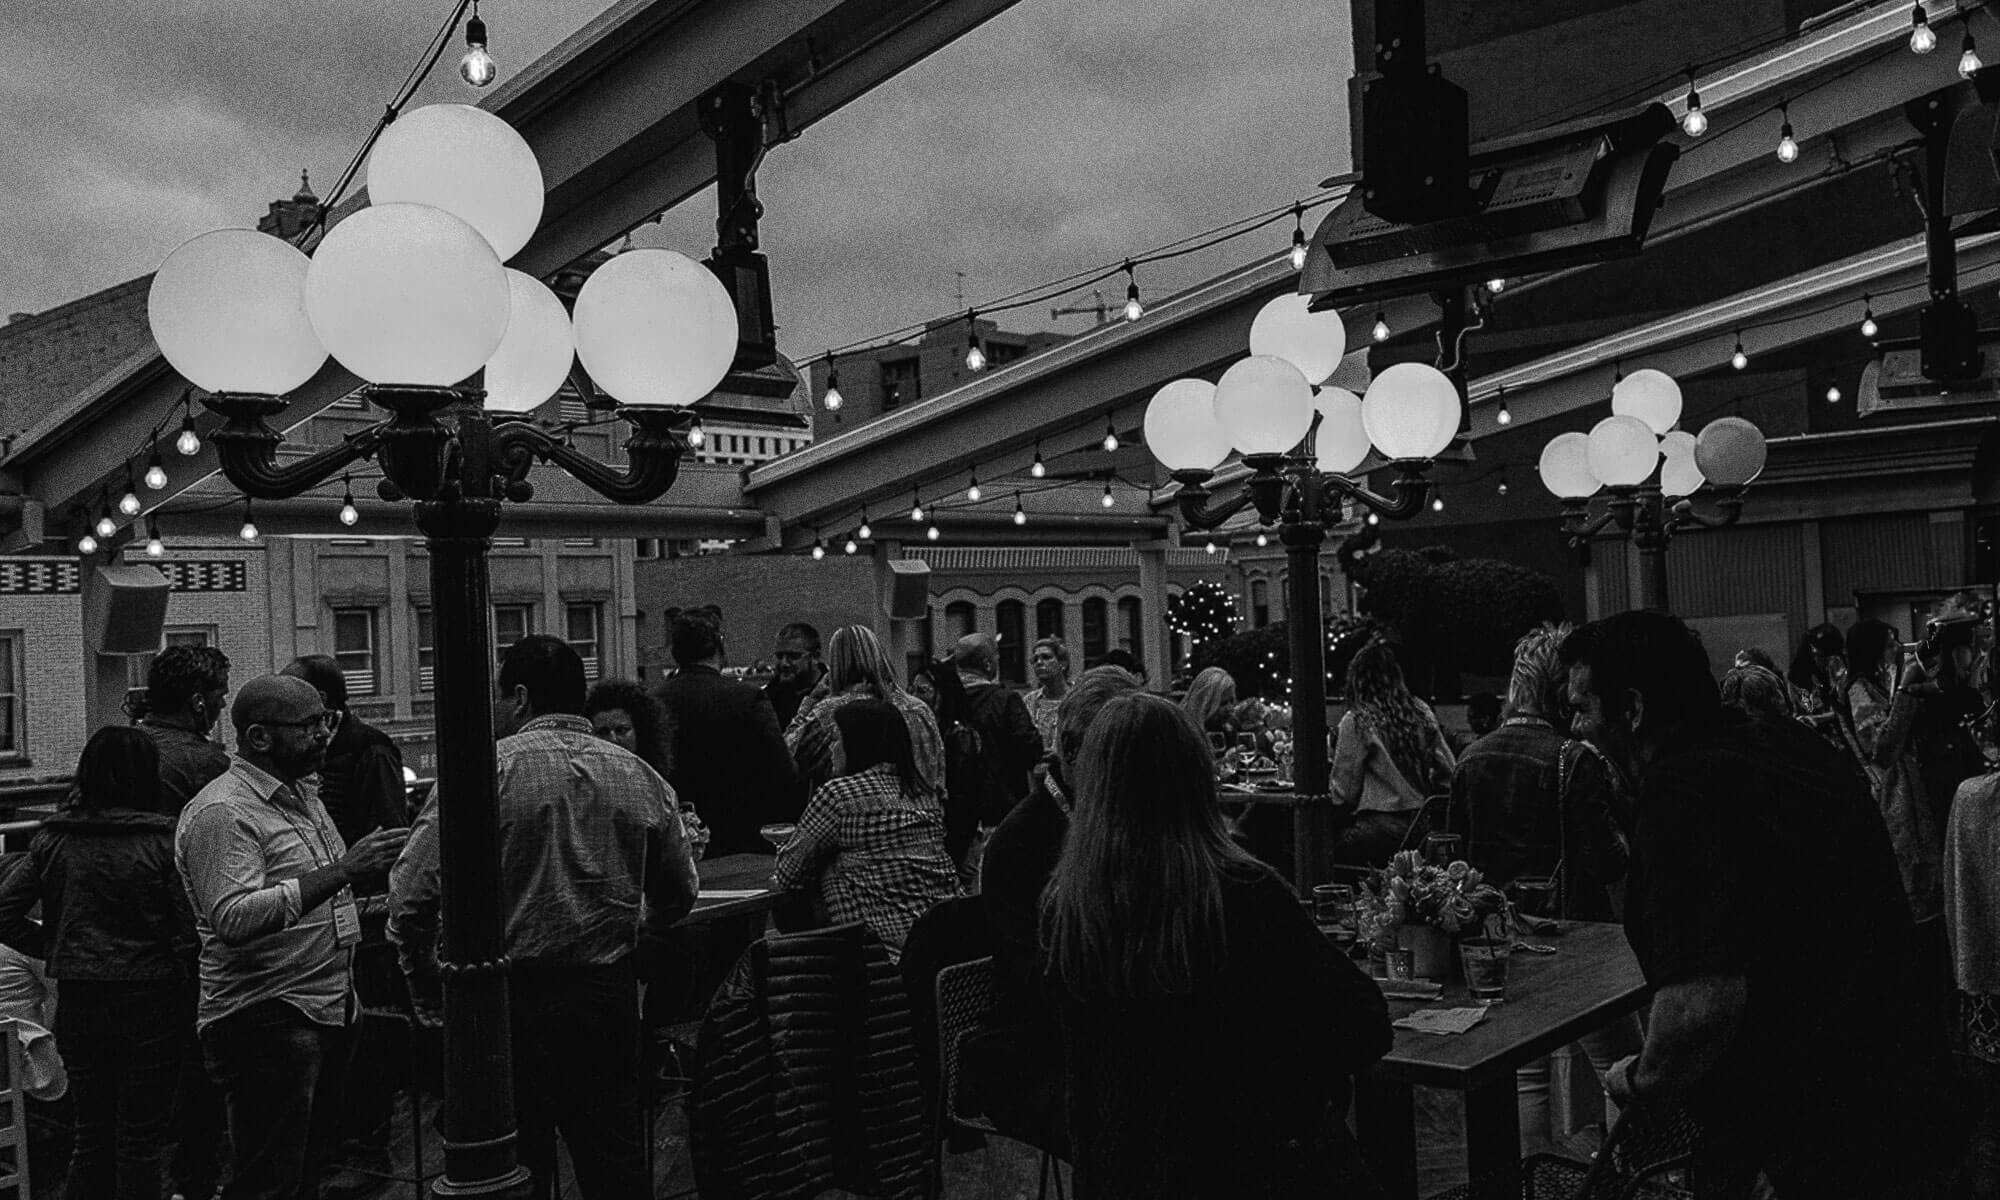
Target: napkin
{"x":1442,"y":1020}
{"x":731,"y":893}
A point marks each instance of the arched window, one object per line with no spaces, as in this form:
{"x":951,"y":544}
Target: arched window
{"x":1096,"y":629}
{"x":1011,"y":616}
{"x":1132,"y":627}
{"x":1048,"y":619}
{"x":960,"y":618}
{"x":1260,"y":604}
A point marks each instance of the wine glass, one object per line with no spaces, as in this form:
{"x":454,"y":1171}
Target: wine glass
{"x":777,"y":834}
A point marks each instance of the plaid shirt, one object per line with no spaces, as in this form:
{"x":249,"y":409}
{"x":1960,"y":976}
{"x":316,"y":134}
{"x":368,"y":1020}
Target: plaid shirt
{"x":883,"y":850}
{"x":814,"y":739}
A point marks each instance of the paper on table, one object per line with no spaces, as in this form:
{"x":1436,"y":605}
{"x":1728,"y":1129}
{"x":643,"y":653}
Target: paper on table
{"x":1442,"y":1020}
{"x":731,"y":893}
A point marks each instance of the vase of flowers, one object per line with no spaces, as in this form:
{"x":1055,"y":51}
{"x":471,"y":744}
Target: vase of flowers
{"x":1418,"y":906}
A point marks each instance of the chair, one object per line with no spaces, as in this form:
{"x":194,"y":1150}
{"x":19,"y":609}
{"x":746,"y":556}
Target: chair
{"x":964,"y":994}
{"x":1639,"y":1160}
{"x":14,"y":1183}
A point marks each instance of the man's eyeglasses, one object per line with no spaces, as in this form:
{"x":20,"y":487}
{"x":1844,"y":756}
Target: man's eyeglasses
{"x":788,"y":655}
{"x":327,"y":721}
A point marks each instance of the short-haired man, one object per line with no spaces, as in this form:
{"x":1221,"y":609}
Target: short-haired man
{"x":589,"y":840}
{"x":1767,"y":913}
{"x":271,"y":883}
{"x":796,"y":670}
{"x":361,"y":781}
{"x":185,"y":690}
{"x":729,"y":756}
{"x":1009,"y":742}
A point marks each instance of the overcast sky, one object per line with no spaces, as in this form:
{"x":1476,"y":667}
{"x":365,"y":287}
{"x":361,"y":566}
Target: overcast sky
{"x":1062,"y":135}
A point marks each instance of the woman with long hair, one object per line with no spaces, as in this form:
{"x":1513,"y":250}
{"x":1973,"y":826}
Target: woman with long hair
{"x":1882,"y":745}
{"x":623,"y":714}
{"x":118,"y":934}
{"x":1390,"y":755}
{"x":1209,"y":1030}
{"x":857,"y":669}
{"x":1211,"y":700}
{"x":872,"y":838}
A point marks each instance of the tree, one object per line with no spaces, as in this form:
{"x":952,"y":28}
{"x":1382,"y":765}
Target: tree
{"x":1205,"y":612}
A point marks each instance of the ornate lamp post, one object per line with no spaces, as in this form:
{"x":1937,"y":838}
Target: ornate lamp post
{"x":411,"y":296}
{"x":1619,"y":456}
{"x":1301,"y":447}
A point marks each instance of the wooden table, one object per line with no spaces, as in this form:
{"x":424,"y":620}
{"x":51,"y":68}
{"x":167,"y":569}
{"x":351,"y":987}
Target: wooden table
{"x":734,"y":873}
{"x":1551,"y":1001}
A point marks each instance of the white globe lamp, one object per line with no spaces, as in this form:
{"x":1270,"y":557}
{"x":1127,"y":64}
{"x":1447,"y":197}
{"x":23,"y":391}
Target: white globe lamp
{"x":1623,"y":451}
{"x":1565,"y":467}
{"x":1265,"y":404}
{"x":228,"y":310}
{"x":1411,"y":411}
{"x":408,"y":294}
{"x":1342,"y":441}
{"x":467,"y":162}
{"x":1311,"y":341}
{"x":535,"y":356}
{"x":1181,"y":429}
{"x":1679,"y":475}
{"x":1650,"y":395}
{"x":655,"y":329}
{"x":1730,"y":452}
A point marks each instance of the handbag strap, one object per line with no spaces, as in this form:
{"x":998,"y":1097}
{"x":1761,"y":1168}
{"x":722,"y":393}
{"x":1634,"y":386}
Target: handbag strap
{"x":1564,"y":757}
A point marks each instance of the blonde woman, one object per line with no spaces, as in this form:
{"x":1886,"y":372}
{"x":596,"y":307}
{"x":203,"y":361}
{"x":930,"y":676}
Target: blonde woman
{"x":1211,"y":701}
{"x":858,"y":669}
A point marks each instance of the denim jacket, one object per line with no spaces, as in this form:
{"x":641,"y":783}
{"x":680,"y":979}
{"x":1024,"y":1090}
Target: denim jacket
{"x":1503,"y":802}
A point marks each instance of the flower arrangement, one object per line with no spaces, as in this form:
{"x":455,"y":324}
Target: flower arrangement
{"x":1454,"y":898}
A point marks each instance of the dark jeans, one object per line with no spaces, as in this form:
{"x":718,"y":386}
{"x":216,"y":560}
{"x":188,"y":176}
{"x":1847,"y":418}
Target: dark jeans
{"x":280,"y":1073}
{"x":198,"y":1120}
{"x":121,"y":1043}
{"x":576,"y":1056}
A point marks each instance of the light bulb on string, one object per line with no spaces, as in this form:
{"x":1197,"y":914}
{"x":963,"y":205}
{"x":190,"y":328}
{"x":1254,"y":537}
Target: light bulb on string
{"x":1210,"y":548}
{"x":973,"y":493}
{"x":1262,"y":540}
{"x":851,"y":546}
{"x":348,"y":513}
{"x":1833,"y":394}
{"x":1038,"y":469}
{"x":1020,"y":514}
{"x":1503,"y":417}
{"x":932,"y":532}
{"x":105,"y":525}
{"x":1501,"y":487}
{"x":1496,"y":285}
{"x":188,"y":443}
{"x":1923,"y":39}
{"x":865,"y":533}
{"x":916,"y":507}
{"x":155,"y":548}
{"x":975,"y":358}
{"x":696,"y":434}
{"x":87,"y":544}
{"x":1374,"y":518}
{"x":1695,"y":122}
{"x":1968,"y":55}
{"x":1868,"y":326}
{"x":1110,"y":436}
{"x":1381,"y":331}
{"x":477,"y":67}
{"x":819,"y":547}
{"x":129,"y":502}
{"x":156,"y":474}
{"x":1299,"y":237}
{"x":1437,"y":503}
{"x":1133,"y":309}
{"x":249,"y":531}
{"x":832,"y":399}
{"x":1109,"y":499}
{"x":1739,"y":359}
{"x":1788,"y":146}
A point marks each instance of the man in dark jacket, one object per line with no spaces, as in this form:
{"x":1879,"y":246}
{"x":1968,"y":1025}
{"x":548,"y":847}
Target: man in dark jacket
{"x":361,"y":782}
{"x":1008,"y":741}
{"x":796,"y":670}
{"x":729,"y":756}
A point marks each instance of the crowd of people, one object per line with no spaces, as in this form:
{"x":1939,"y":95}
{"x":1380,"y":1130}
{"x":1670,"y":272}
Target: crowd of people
{"x":1807,"y":864}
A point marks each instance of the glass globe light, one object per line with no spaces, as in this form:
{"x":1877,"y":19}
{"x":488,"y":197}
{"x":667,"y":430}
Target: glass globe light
{"x":465,"y":161}
{"x":1342,"y":441}
{"x":535,"y":357}
{"x":1730,"y":451}
{"x":228,"y":312}
{"x":1565,"y":467}
{"x":1311,"y":341}
{"x":156,"y":475}
{"x":1622,"y":451}
{"x":405,"y":294}
{"x":87,"y":544}
{"x":1679,"y":476}
{"x":655,"y":328}
{"x":1265,"y":404}
{"x":1650,"y":395}
{"x":1410,"y":411}
{"x":1181,"y":429}
{"x":129,"y":504}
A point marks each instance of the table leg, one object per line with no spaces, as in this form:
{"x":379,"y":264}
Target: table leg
{"x":1385,"y":1123}
{"x":1493,"y":1140}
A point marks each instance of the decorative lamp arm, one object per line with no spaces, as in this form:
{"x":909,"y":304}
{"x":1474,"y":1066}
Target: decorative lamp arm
{"x":654,"y":451}
{"x":1193,"y":500}
{"x":1406,"y":498}
{"x":248,"y":448}
{"x":1580,"y":525}
{"x":1728,"y":509}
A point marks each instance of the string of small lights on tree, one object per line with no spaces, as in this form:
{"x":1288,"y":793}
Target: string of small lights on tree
{"x":1204,"y":612}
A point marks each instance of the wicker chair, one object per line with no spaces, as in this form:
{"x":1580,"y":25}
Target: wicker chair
{"x":1645,"y":1157}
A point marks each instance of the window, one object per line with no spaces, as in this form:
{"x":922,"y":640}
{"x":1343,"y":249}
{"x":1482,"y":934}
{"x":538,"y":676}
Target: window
{"x":1011,"y":616}
{"x":1096,"y":630}
{"x":1260,"y":604}
{"x":646,"y":548}
{"x":510,"y":543}
{"x":1131,"y":628}
{"x":1048,"y":619}
{"x":354,"y":649}
{"x":960,"y":618}
{"x":1325,"y":595}
{"x":580,"y":631}
{"x":10,"y":694}
{"x":510,"y":625}
{"x":426,"y":651}
{"x":902,"y":382}
{"x":580,"y":543}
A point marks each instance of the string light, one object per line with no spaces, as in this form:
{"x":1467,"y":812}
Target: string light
{"x":1381,"y":331}
{"x":819,"y":546}
{"x":1503,"y":417}
{"x":1496,"y":285}
{"x":155,"y":548}
{"x":1788,"y":146}
{"x":1374,"y":519}
{"x":348,"y":513}
{"x":865,"y":533}
{"x":477,"y":67}
{"x":851,"y":546}
{"x":1739,"y":360}
{"x":1109,"y":499}
{"x":1110,"y":436}
{"x":105,"y":525}
{"x":1437,"y":503}
{"x":1133,"y":309}
{"x":1695,"y":122}
{"x":156,"y":474}
{"x":1868,"y":326}
{"x":188,"y":443}
{"x":1038,"y":468}
{"x":973,"y":493}
{"x":1299,"y":237}
{"x":975,"y":358}
{"x":249,"y":531}
{"x":916,"y":507}
{"x":1020,"y":514}
{"x":1501,"y":487}
{"x":1833,"y":394}
{"x":129,"y":502}
{"x":1968,"y":56}
{"x":87,"y":544}
{"x":696,"y":434}
{"x":1210,"y":548}
{"x":932,"y":532}
{"x":832,"y":399}
{"x":1923,"y":39}
{"x":1262,"y":540}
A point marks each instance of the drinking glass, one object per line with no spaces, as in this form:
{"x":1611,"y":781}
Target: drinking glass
{"x":1485,"y":962}
{"x":777,"y":835}
{"x":1441,"y":848}
{"x":1333,"y":912}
